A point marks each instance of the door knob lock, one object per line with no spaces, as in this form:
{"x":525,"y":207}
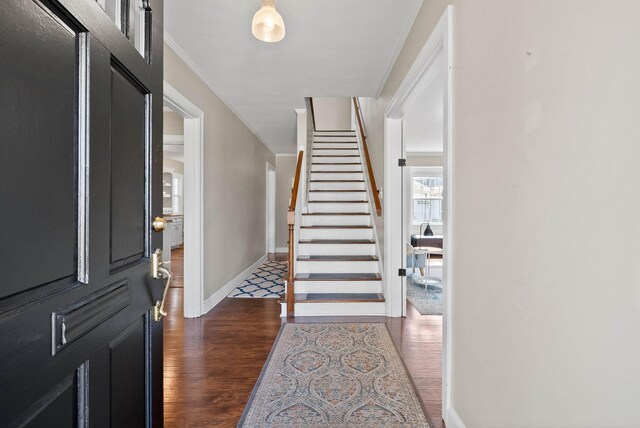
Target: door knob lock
{"x":159,"y":224}
{"x":158,"y":271}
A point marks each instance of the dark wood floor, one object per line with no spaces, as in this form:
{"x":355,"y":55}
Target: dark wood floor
{"x":177,"y":267}
{"x":213,"y":362}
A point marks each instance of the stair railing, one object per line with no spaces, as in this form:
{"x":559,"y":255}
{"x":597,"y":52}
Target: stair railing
{"x":311,"y":128}
{"x":365,"y":149}
{"x":291,"y":221}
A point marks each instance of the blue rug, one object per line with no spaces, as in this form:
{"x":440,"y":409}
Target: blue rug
{"x":265,"y":282}
{"x":426,"y":301}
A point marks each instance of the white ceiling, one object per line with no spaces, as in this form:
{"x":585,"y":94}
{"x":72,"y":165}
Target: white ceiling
{"x":331,"y":48}
{"x":423,"y":122}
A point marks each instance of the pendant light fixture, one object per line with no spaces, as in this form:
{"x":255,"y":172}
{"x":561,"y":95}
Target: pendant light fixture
{"x":267,"y":24}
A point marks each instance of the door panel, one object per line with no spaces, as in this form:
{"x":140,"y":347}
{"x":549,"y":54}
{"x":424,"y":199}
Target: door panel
{"x":58,"y":406}
{"x":80,"y":181}
{"x":48,"y":149}
{"x":128,"y":141}
{"x":128,"y":377}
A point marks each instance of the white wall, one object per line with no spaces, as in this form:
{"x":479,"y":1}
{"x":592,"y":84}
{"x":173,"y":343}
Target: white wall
{"x":332,"y":113}
{"x":234,"y":181}
{"x":546,"y":277}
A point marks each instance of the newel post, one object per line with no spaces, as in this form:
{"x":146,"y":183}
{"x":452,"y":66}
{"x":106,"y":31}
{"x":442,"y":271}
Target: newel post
{"x":291,"y":218}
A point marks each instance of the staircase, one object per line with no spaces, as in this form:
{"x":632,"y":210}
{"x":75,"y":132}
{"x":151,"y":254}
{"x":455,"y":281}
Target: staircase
{"x":337,"y":271}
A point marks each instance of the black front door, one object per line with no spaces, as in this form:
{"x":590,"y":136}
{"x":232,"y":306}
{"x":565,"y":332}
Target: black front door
{"x":80,"y":174}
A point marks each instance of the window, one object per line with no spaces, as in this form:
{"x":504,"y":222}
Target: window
{"x":131,"y":17}
{"x":177,"y":201}
{"x":427,"y":193}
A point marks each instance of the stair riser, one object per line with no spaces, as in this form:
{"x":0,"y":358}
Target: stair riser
{"x":343,"y":145}
{"x":337,"y":250}
{"x":334,"y":152}
{"x":338,"y":196}
{"x":337,"y":159}
{"x":333,"y":176}
{"x":336,"y":234}
{"x":338,"y":208}
{"x":337,"y":267}
{"x":337,"y":309}
{"x":336,"y":220}
{"x":336,"y":186}
{"x":337,"y":167}
{"x":338,"y":287}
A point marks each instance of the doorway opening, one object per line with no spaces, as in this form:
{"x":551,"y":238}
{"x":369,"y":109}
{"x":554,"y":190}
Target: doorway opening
{"x":182,"y":196}
{"x":271,"y":211}
{"x":418,"y":126}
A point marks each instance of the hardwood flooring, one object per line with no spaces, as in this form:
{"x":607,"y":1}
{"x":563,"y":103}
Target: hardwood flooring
{"x":212,"y":363}
{"x":177,"y":267}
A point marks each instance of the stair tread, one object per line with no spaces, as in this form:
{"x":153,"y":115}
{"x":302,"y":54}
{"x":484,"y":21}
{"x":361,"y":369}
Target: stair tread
{"x":336,"y":241}
{"x":335,"y":227}
{"x":334,"y":191}
{"x":336,"y":213}
{"x":337,"y":202}
{"x":338,"y":298}
{"x":335,"y":142}
{"x":334,"y":148}
{"x":338,"y":277}
{"x":338,"y":258}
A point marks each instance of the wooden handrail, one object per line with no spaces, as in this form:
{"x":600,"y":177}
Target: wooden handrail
{"x":365,"y":149}
{"x":296,"y":183}
{"x":291,"y":221}
{"x":313,"y":113}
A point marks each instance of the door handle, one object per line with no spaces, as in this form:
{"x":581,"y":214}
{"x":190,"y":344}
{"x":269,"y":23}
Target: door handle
{"x":159,"y":224}
{"x":158,"y":271}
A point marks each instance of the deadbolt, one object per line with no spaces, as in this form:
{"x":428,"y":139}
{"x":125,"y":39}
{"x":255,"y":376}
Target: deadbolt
{"x":159,"y":224}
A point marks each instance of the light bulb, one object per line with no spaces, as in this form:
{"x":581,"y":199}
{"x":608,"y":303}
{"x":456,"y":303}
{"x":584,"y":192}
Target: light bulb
{"x":267,"y":24}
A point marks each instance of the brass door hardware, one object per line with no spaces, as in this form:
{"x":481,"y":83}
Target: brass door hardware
{"x":159,"y":224}
{"x":158,"y":271}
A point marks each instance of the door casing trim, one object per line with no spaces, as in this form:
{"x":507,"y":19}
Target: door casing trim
{"x":436,"y":55}
{"x":193,"y":199}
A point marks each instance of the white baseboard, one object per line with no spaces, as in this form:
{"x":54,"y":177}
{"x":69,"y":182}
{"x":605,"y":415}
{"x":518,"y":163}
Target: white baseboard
{"x":282,"y":249}
{"x":217,"y":297}
{"x":453,"y":420}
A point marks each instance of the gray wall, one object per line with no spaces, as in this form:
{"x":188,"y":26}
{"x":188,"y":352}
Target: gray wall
{"x":173,"y":164}
{"x":332,"y":113}
{"x":546,"y":278}
{"x":285,"y":170}
{"x":234,"y":181}
{"x":172,"y":124}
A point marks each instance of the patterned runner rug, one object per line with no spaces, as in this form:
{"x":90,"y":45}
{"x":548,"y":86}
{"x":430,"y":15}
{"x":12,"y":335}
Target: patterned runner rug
{"x":334,"y":375}
{"x":265,"y":282}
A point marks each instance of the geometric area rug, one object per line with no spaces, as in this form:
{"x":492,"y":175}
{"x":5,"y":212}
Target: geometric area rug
{"x":334,"y":375}
{"x":265,"y":281}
